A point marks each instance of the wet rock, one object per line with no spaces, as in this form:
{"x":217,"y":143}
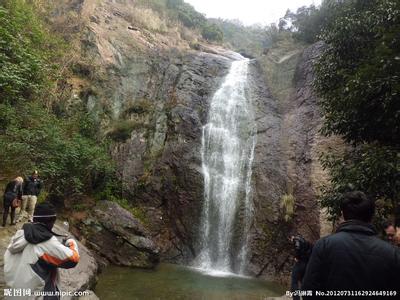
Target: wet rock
{"x":286,"y":162}
{"x":83,"y":276}
{"x":119,"y":237}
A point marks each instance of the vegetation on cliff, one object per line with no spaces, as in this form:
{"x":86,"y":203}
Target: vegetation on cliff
{"x":357,"y":77}
{"x":357,"y":80}
{"x":178,"y":11}
{"x":36,"y":131}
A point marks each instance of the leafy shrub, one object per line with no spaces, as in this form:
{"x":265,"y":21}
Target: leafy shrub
{"x":23,"y":68}
{"x":370,"y":168}
{"x":212,"y":32}
{"x":70,"y":161}
{"x":357,"y":80}
{"x":66,"y":150}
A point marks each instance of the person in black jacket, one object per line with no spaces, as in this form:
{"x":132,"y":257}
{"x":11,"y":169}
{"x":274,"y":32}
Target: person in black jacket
{"x":32,"y":188}
{"x":302,"y":250}
{"x":353,"y":260}
{"x":13,"y":190}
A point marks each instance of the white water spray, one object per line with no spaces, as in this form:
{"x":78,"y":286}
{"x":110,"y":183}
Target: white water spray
{"x":228,"y":143}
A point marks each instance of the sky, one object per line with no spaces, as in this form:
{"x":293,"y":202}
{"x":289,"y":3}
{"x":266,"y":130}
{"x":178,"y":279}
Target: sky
{"x":249,"y":11}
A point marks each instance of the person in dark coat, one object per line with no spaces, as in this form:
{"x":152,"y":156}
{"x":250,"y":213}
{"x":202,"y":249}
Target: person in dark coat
{"x":13,"y":190}
{"x":302,"y":250}
{"x":31,"y":189}
{"x":354,"y":259}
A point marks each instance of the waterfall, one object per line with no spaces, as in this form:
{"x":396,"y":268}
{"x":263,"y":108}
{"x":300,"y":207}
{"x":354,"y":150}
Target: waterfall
{"x":228,"y":141}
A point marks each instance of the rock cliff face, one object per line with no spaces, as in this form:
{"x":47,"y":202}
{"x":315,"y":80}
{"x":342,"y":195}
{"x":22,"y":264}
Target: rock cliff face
{"x":150,"y":92}
{"x":287,"y":164}
{"x":118,"y":237}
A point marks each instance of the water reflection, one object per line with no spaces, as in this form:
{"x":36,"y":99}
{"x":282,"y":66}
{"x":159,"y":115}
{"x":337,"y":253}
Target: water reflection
{"x":178,"y":282}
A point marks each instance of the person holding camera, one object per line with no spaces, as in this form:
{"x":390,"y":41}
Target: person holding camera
{"x":35,"y":253}
{"x":302,"y":250}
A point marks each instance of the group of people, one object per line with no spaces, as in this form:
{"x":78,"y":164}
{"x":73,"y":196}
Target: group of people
{"x":36,"y":252}
{"x":353,"y":262}
{"x":21,"y":193}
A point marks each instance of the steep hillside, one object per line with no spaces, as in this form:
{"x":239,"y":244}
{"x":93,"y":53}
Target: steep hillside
{"x":146,"y":75}
{"x":148,"y":90}
{"x":149,"y":85}
{"x":288,"y":67}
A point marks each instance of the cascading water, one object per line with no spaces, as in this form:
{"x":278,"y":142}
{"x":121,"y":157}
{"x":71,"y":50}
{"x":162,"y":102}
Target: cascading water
{"x":228,"y":143}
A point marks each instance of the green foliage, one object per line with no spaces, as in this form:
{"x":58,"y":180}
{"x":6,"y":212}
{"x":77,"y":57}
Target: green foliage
{"x":112,"y":191}
{"x":307,"y":23}
{"x":174,"y":4}
{"x":70,"y":161}
{"x":22,"y":69}
{"x":357,"y":77}
{"x":65,"y":150}
{"x":186,"y":14}
{"x":273,"y":34}
{"x":358,"y":73}
{"x":373,"y":169}
{"x":212,"y":32}
{"x":247,"y":39}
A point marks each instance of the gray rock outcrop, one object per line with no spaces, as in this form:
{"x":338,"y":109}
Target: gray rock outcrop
{"x":119,"y":237}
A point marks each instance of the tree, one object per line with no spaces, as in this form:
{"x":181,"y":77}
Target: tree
{"x":307,"y":23}
{"x":212,"y":32}
{"x":358,"y":73}
{"x":65,"y":149}
{"x":357,"y":77}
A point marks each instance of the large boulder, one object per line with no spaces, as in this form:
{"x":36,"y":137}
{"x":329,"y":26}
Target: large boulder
{"x":83,"y":276}
{"x":116,"y":235}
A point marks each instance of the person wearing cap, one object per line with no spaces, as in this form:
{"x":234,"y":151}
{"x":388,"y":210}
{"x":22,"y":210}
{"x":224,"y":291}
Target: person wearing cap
{"x":13,"y":191}
{"x":34,"y":255}
{"x":32,"y":188}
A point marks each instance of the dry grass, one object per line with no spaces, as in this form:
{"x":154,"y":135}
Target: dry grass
{"x":287,"y":205}
{"x":146,"y":18}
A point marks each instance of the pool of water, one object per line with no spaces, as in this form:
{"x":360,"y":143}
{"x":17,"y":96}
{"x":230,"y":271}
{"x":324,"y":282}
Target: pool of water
{"x":177,"y":282}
